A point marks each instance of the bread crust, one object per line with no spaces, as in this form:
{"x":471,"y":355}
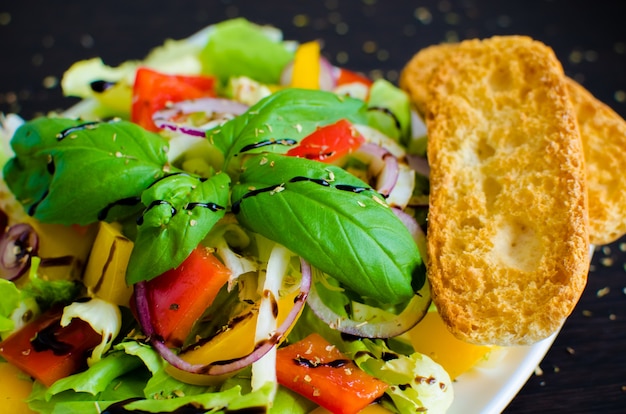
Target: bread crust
{"x":602,"y":130}
{"x":507,"y":226}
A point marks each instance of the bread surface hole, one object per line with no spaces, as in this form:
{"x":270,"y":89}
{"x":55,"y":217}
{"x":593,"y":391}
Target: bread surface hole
{"x":516,"y":245}
{"x":501,"y":79}
{"x":491,"y":188}
{"x":484,"y":150}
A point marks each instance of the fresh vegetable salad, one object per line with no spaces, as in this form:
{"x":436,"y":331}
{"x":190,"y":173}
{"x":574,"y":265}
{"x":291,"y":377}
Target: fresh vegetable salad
{"x":232,"y":224}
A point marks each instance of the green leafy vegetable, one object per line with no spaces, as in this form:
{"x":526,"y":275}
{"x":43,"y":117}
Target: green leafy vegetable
{"x":333,"y":220}
{"x":180,"y":210}
{"x":281,"y":120}
{"x":240,"y":48}
{"x":11,"y":297}
{"x":74,"y":172}
{"x":389,"y":110}
{"x":420,"y":383}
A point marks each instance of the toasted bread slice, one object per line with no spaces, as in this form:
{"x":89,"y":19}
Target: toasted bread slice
{"x":507,"y":226}
{"x":416,"y":74}
{"x":602,"y":130}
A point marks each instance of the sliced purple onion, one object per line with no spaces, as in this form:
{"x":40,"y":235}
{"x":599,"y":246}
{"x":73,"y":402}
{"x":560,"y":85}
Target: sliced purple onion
{"x":328,"y":75}
{"x":383,"y":164}
{"x":216,"y":109}
{"x":221,"y":367}
{"x":414,"y":228}
{"x":419,"y":164}
{"x":17,"y":245}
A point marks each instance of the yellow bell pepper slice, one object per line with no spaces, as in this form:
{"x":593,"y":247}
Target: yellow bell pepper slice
{"x":431,"y":337}
{"x":306,"y":66}
{"x":105,"y":274}
{"x":14,"y":390}
{"x":57,"y":241}
{"x":231,"y":343}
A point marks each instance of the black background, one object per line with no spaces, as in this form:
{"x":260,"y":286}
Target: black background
{"x":585,"y":371}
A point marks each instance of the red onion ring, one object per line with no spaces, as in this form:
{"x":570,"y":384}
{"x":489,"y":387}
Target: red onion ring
{"x":410,"y":316}
{"x":418,"y":234}
{"x":17,"y":245}
{"x":383,"y":164}
{"x":418,"y":164}
{"x":221,"y":367}
{"x":215,"y":108}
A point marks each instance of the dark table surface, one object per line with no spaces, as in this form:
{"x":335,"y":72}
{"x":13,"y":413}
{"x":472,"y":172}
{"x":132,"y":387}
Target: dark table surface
{"x":585,"y":370}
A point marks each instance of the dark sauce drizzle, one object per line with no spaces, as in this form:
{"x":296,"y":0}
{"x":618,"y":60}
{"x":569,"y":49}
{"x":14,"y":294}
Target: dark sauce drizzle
{"x":46,"y":340}
{"x":100,"y":86}
{"x":388,"y":112}
{"x":190,"y":408}
{"x":268,"y":142}
{"x":304,"y":362}
{"x":236,"y":208}
{"x":33,"y":208}
{"x":66,"y":132}
{"x":128,"y":201}
{"x":190,"y":206}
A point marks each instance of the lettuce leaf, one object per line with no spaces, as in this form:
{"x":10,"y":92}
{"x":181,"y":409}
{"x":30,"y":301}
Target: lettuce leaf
{"x":240,"y":48}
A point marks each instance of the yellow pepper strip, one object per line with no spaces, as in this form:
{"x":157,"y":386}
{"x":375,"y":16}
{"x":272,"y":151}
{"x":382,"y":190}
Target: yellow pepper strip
{"x":306,"y":66}
{"x":105,"y":275}
{"x":231,"y":343}
{"x":58,"y":240}
{"x":431,"y":337}
{"x":16,"y":386}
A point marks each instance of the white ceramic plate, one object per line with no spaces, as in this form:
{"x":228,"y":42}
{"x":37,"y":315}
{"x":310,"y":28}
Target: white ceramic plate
{"x":490,"y":386}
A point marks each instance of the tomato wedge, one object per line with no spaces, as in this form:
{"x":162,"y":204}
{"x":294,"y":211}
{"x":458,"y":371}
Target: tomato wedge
{"x":329,"y":143}
{"x":347,"y":76}
{"x":153,"y":90}
{"x":317,"y":370}
{"x":178,"y":297}
{"x":48,"y":352}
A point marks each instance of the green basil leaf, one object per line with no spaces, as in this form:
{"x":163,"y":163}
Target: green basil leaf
{"x":75,"y":172}
{"x":180,"y":210}
{"x":333,"y":220}
{"x":279,"y":121}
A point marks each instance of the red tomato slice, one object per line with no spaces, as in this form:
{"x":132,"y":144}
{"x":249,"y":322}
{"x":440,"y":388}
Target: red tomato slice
{"x":178,"y":297}
{"x":329,"y":143}
{"x":347,"y":76}
{"x":48,"y":352}
{"x":153,"y":90}
{"x":318,"y":371}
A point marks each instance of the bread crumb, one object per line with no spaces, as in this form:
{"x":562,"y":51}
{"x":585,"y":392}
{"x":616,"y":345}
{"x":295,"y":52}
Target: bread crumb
{"x":603,"y":292}
{"x":570,"y":350}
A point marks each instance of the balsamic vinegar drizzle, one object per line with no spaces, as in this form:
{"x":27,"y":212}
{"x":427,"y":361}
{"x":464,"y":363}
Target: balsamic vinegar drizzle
{"x":100,"y":86}
{"x":46,"y":340}
{"x":236,"y":208}
{"x":68,"y":131}
{"x":190,"y":206}
{"x":268,"y":142}
{"x":33,"y":208}
{"x":128,"y":201}
{"x":304,"y":362}
{"x":190,"y":408}
{"x":388,"y":112}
